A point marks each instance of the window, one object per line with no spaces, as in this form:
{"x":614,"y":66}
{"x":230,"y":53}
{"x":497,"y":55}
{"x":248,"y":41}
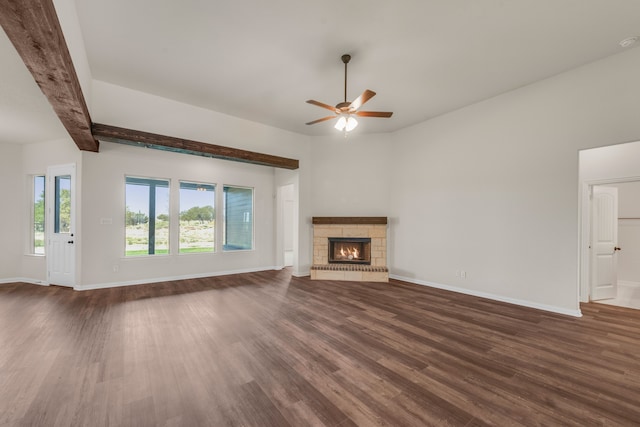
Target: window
{"x":238,"y":218}
{"x":62,"y":209}
{"x":197,"y":217}
{"x":146,"y":216}
{"x":37,"y":230}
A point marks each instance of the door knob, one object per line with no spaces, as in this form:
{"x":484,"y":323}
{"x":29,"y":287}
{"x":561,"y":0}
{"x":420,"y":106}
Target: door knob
{"x":617,"y":249}
{"x":70,"y":241}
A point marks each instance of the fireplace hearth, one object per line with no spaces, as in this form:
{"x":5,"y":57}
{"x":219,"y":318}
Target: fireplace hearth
{"x":349,"y":250}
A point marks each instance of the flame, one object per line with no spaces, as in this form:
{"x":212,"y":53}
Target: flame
{"x":351,"y":253}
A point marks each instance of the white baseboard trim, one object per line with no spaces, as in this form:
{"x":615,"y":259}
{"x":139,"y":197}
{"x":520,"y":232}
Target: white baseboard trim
{"x":550,"y":308}
{"x":169,"y":279}
{"x":629,"y":283}
{"x":24,"y":280}
{"x":301,"y":273}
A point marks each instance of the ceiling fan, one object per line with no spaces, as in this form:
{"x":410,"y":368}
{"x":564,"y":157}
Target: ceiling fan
{"x":345,"y":111}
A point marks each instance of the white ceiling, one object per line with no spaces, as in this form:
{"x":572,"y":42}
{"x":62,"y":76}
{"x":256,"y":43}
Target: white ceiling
{"x":261,"y":60}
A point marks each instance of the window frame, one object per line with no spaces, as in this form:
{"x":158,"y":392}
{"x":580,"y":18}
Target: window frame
{"x":152,"y":202}
{"x":197,"y":184}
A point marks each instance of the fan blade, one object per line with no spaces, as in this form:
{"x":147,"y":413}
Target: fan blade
{"x":373,"y":113}
{"x":321,"y":120}
{"x":320,"y":104}
{"x":357,"y":103}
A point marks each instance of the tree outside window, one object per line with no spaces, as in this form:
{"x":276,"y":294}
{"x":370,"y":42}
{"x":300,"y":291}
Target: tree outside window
{"x":197,"y":217}
{"x":37,"y":231}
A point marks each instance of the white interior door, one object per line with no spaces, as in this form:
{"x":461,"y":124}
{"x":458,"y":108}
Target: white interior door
{"x":60,"y":225}
{"x":604,"y":243}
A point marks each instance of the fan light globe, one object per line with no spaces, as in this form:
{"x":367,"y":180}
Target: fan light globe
{"x":346,"y":123}
{"x":351,"y":124}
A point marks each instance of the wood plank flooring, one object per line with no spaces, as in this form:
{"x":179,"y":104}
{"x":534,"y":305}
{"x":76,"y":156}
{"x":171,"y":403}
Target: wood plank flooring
{"x":267,"y":349}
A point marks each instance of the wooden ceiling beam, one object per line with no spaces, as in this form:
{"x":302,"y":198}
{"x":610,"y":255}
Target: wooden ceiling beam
{"x":34,"y":29}
{"x":179,"y":145}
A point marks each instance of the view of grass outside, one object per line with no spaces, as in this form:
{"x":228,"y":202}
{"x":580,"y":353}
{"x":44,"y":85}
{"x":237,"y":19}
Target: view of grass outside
{"x":138,"y":238}
{"x":197,"y":217}
{"x":146,"y":216}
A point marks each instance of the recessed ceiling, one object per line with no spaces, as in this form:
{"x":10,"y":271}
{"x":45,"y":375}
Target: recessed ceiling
{"x":262,"y":60}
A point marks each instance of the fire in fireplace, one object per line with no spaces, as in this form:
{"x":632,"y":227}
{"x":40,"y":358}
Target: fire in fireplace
{"x":349,"y":250}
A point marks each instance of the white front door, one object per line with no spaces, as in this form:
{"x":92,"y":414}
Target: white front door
{"x":60,"y":225}
{"x":604,"y":243}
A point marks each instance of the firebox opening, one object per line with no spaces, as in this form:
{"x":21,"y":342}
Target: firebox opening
{"x":349,"y":250}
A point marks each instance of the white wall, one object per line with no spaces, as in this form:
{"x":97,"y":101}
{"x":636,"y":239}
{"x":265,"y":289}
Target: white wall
{"x":629,"y":256}
{"x":351,"y":176}
{"x":629,"y":231}
{"x":614,"y":163}
{"x":629,"y":198}
{"x":492,"y":189}
{"x":11,"y":221}
{"x":115,"y":105}
{"x":104,"y":199}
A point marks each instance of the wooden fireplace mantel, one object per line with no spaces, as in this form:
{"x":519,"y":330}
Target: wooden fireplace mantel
{"x":324,"y":220}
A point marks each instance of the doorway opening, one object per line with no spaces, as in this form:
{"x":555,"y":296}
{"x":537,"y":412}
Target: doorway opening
{"x":287,"y":219}
{"x":625,"y":250}
{"x":610,"y":225}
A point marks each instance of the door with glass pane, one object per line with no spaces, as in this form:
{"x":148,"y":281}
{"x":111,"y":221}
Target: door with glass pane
{"x":60,"y":218}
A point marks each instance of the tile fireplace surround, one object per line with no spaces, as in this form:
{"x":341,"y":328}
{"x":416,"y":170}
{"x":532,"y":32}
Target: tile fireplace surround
{"x":372,"y":227}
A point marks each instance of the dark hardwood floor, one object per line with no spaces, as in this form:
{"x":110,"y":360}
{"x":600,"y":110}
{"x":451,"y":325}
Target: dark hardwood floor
{"x":266,"y":349}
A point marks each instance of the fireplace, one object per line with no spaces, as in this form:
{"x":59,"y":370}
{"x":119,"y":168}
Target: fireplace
{"x":349,"y":250}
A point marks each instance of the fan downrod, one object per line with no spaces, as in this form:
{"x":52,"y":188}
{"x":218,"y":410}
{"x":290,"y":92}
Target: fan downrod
{"x":345,"y":58}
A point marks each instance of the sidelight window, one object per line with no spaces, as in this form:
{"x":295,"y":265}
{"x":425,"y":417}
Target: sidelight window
{"x":37,"y":215}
